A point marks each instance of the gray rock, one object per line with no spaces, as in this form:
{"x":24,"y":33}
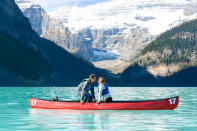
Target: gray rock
{"x":54,"y":30}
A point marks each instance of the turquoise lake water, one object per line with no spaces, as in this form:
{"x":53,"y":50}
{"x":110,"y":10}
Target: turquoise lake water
{"x":15,"y":113}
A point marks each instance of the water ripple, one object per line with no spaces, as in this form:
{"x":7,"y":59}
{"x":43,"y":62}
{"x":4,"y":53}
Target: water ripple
{"x":16,"y":114}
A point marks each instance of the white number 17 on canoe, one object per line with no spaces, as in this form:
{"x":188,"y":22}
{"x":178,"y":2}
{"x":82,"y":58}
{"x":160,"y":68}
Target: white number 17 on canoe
{"x":172,"y":101}
{"x":33,"y":102}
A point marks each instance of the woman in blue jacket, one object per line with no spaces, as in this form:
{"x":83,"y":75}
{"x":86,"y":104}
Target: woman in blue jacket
{"x":103,"y":91}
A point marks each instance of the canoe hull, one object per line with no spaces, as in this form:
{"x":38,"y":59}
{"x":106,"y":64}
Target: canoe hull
{"x":163,"y":104}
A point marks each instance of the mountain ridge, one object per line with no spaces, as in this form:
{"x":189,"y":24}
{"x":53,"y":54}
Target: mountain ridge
{"x":170,"y":60}
{"x":65,"y":69}
{"x":176,"y":47}
{"x":118,"y":31}
{"x":54,"y":30}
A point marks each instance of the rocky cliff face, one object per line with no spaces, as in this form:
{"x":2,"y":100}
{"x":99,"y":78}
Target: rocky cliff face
{"x":115,"y":45}
{"x":54,"y":30}
{"x":152,"y":62}
{"x":170,"y":60}
{"x":121,"y":29}
{"x":32,"y":60}
{"x":113,"y":33}
{"x":172,"y":51}
{"x":125,"y":44}
{"x":115,"y":48}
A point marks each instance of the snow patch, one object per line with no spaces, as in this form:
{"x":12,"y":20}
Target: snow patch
{"x":24,"y":4}
{"x":156,"y":15}
{"x":104,"y":55}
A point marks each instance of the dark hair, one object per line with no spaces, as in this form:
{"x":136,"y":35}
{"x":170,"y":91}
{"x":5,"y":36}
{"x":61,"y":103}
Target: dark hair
{"x":101,"y":80}
{"x":91,"y":76}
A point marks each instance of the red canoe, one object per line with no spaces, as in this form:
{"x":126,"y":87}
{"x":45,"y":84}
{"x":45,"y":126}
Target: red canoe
{"x":162,"y":104}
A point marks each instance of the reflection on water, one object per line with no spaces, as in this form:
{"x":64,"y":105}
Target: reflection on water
{"x":100,"y":120}
{"x":71,"y":119}
{"x":15,"y":113}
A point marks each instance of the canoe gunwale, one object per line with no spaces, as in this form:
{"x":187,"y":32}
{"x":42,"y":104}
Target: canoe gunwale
{"x":134,"y":101}
{"x":160,"y":104}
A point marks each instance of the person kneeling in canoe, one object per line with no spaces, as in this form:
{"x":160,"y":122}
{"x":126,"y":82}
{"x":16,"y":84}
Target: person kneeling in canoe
{"x":84,"y":87}
{"x":103,"y":91}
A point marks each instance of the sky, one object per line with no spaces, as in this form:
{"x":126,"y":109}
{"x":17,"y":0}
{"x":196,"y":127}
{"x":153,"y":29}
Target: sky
{"x":51,"y":5}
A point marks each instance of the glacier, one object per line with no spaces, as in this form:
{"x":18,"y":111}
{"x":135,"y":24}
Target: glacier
{"x":119,"y":29}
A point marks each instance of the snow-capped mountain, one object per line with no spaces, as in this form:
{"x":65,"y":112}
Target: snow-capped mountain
{"x":119,"y":29}
{"x":52,"y":29}
{"x":156,"y":15}
{"x":125,"y":27}
{"x":24,"y":4}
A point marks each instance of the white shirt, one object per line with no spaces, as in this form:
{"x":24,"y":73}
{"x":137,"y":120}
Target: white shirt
{"x":101,"y":87}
